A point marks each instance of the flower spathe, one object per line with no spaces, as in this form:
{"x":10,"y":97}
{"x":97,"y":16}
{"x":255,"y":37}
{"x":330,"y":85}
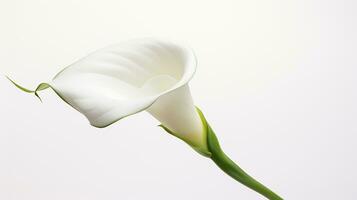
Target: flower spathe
{"x":123,"y":79}
{"x":144,"y":74}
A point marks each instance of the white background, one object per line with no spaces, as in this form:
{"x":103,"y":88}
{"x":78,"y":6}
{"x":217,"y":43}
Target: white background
{"x":276,"y":80}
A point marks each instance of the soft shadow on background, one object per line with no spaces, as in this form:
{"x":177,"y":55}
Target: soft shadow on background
{"x":276,"y":79}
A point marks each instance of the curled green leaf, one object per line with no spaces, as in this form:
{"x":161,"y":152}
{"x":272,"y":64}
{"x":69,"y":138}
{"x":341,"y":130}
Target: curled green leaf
{"x":40,"y":87}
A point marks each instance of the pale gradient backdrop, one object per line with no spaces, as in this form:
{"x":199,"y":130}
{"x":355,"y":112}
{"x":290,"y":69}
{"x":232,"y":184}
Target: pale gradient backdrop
{"x":276,"y":80}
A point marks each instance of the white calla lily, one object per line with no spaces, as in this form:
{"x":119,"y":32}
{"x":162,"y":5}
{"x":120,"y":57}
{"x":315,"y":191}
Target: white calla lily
{"x":127,"y":78}
{"x":146,"y":74}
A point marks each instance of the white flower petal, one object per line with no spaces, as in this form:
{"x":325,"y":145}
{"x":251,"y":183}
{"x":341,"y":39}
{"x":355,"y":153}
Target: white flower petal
{"x":127,"y":78}
{"x":176,"y":111}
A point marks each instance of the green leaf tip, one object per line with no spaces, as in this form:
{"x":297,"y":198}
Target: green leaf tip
{"x":40,"y":87}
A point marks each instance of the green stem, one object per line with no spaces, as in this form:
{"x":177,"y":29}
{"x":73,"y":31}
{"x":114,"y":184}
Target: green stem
{"x":214,"y":151}
{"x":233,"y":170}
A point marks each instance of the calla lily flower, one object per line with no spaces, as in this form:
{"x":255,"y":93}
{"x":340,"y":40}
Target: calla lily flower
{"x":144,"y":75}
